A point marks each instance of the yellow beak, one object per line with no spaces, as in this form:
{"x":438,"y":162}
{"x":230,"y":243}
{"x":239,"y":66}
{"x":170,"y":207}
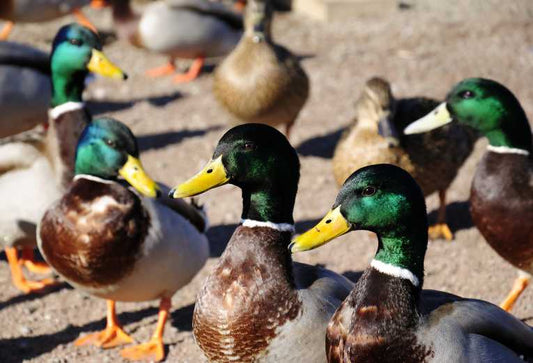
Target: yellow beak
{"x":440,"y":116}
{"x":211,"y":176}
{"x":103,"y":66}
{"x":331,"y":226}
{"x":134,"y":174}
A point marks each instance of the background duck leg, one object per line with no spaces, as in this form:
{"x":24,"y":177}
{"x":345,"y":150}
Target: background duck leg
{"x":441,"y":229}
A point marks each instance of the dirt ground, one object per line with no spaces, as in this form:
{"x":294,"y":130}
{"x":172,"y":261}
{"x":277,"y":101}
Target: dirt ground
{"x":423,"y":51}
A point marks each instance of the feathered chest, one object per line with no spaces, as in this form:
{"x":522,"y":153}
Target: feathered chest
{"x":244,"y":303}
{"x":94,"y":234}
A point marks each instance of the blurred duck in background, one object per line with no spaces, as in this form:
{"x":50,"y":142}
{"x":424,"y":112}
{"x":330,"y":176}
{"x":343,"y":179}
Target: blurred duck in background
{"x":36,"y":167}
{"x":25,"y":88}
{"x":35,"y":11}
{"x":260,"y":81}
{"x":109,"y":237}
{"x":375,"y":136}
{"x":185,"y":29}
{"x":501,"y":196}
{"x":388,"y":317}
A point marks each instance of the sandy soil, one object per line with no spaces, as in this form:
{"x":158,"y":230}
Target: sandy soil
{"x":422,"y":51}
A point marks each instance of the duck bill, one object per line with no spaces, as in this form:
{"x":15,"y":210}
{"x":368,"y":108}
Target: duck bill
{"x":134,"y":174}
{"x":101,"y":65}
{"x":440,"y":116}
{"x":211,"y":176}
{"x":331,"y":226}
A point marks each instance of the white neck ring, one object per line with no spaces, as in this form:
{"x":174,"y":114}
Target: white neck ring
{"x":395,"y":271}
{"x":507,"y":150}
{"x":57,"y":111}
{"x":282,"y":227}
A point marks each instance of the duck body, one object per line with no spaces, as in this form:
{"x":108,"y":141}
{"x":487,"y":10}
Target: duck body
{"x":183,"y":29}
{"x":386,"y":319}
{"x":501,"y":204}
{"x":256,"y":303}
{"x":35,"y":168}
{"x":261,"y":82}
{"x":31,"y":11}
{"x":105,"y":239}
{"x":25,"y":88}
{"x":433,"y":159}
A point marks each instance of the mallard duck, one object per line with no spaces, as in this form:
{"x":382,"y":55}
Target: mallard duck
{"x":257,"y":305}
{"x":261,"y":81}
{"x":24,"y":88}
{"x":375,"y":136}
{"x":388,"y":317}
{"x":34,"y":11}
{"x":119,"y":243}
{"x":501,"y":198}
{"x":35,"y":167}
{"x":189,"y":29}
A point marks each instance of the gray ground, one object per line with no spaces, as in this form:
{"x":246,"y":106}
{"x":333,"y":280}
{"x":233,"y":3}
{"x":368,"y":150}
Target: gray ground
{"x":422,"y":51}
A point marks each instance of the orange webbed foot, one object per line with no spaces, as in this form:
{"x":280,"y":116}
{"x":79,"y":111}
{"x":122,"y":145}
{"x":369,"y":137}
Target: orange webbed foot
{"x":152,"y":350}
{"x":519,"y":286}
{"x":37,"y":267}
{"x":28,"y":287}
{"x":18,"y":278}
{"x":192,"y":74}
{"x":440,"y":230}
{"x":6,"y":30}
{"x":110,"y":337}
{"x":165,"y":70}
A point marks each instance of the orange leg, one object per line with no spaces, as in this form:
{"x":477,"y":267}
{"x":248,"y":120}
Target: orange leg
{"x":441,"y":229}
{"x":111,"y":336}
{"x":6,"y":30}
{"x":28,"y":260}
{"x":239,"y":5}
{"x":519,"y":286}
{"x":165,"y":70}
{"x":192,"y":74}
{"x":83,"y":20}
{"x":18,"y":277}
{"x":153,"y":350}
{"x":99,"y":4}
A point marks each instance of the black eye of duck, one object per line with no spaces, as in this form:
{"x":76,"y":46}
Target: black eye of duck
{"x":75,"y":42}
{"x":368,"y":191}
{"x":248,"y":146}
{"x":466,"y":95}
{"x":110,"y":143}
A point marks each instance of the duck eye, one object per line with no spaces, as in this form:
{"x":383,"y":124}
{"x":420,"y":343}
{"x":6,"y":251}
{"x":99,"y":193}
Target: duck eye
{"x":368,"y":191}
{"x":248,"y":146}
{"x":466,"y":95}
{"x":75,"y":42}
{"x":110,"y":143}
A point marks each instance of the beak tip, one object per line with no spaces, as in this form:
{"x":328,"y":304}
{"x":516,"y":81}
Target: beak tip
{"x":291,"y":245}
{"x":171,"y":193}
{"x":124,"y":76}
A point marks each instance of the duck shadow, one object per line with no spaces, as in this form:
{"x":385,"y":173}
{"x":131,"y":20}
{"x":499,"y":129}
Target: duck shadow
{"x":100,"y":107}
{"x":220,"y":235}
{"x":22,"y":298}
{"x":322,"y":146}
{"x":22,"y":348}
{"x":157,"y":141}
{"x":457,"y":216}
{"x":353,"y":276}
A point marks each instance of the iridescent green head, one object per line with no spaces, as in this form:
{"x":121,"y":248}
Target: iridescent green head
{"x":258,"y":159}
{"x":484,"y":105}
{"x":107,"y":149}
{"x":383,"y":199}
{"x":76,"y":51}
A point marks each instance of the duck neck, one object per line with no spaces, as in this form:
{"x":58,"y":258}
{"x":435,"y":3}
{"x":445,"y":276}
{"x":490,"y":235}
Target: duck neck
{"x":67,"y":87}
{"x":401,"y":253}
{"x":514,"y":131}
{"x":258,"y":22}
{"x":269,"y":204}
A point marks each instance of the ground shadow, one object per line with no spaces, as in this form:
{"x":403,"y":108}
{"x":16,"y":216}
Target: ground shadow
{"x":181,"y":319}
{"x":220,"y":235}
{"x":21,"y":348}
{"x":157,"y":141}
{"x":457,"y":216}
{"x":22,"y":298}
{"x":100,"y":107}
{"x":322,"y":146}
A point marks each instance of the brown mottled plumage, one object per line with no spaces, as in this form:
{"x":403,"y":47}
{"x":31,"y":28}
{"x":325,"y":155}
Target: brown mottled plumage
{"x":260,"y":81}
{"x":376,"y":136}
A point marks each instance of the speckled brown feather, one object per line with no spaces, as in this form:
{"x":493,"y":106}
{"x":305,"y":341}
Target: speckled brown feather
{"x":433,"y":159}
{"x":382,"y":325}
{"x":501,"y":204}
{"x":247,"y":297}
{"x":93,"y":235}
{"x":261,"y":82}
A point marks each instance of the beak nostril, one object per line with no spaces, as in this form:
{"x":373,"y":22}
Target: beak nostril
{"x":209,"y":171}
{"x":328,"y":221}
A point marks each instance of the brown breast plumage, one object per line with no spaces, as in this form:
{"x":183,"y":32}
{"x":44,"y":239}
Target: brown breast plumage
{"x":93,"y":235}
{"x":246,"y":298}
